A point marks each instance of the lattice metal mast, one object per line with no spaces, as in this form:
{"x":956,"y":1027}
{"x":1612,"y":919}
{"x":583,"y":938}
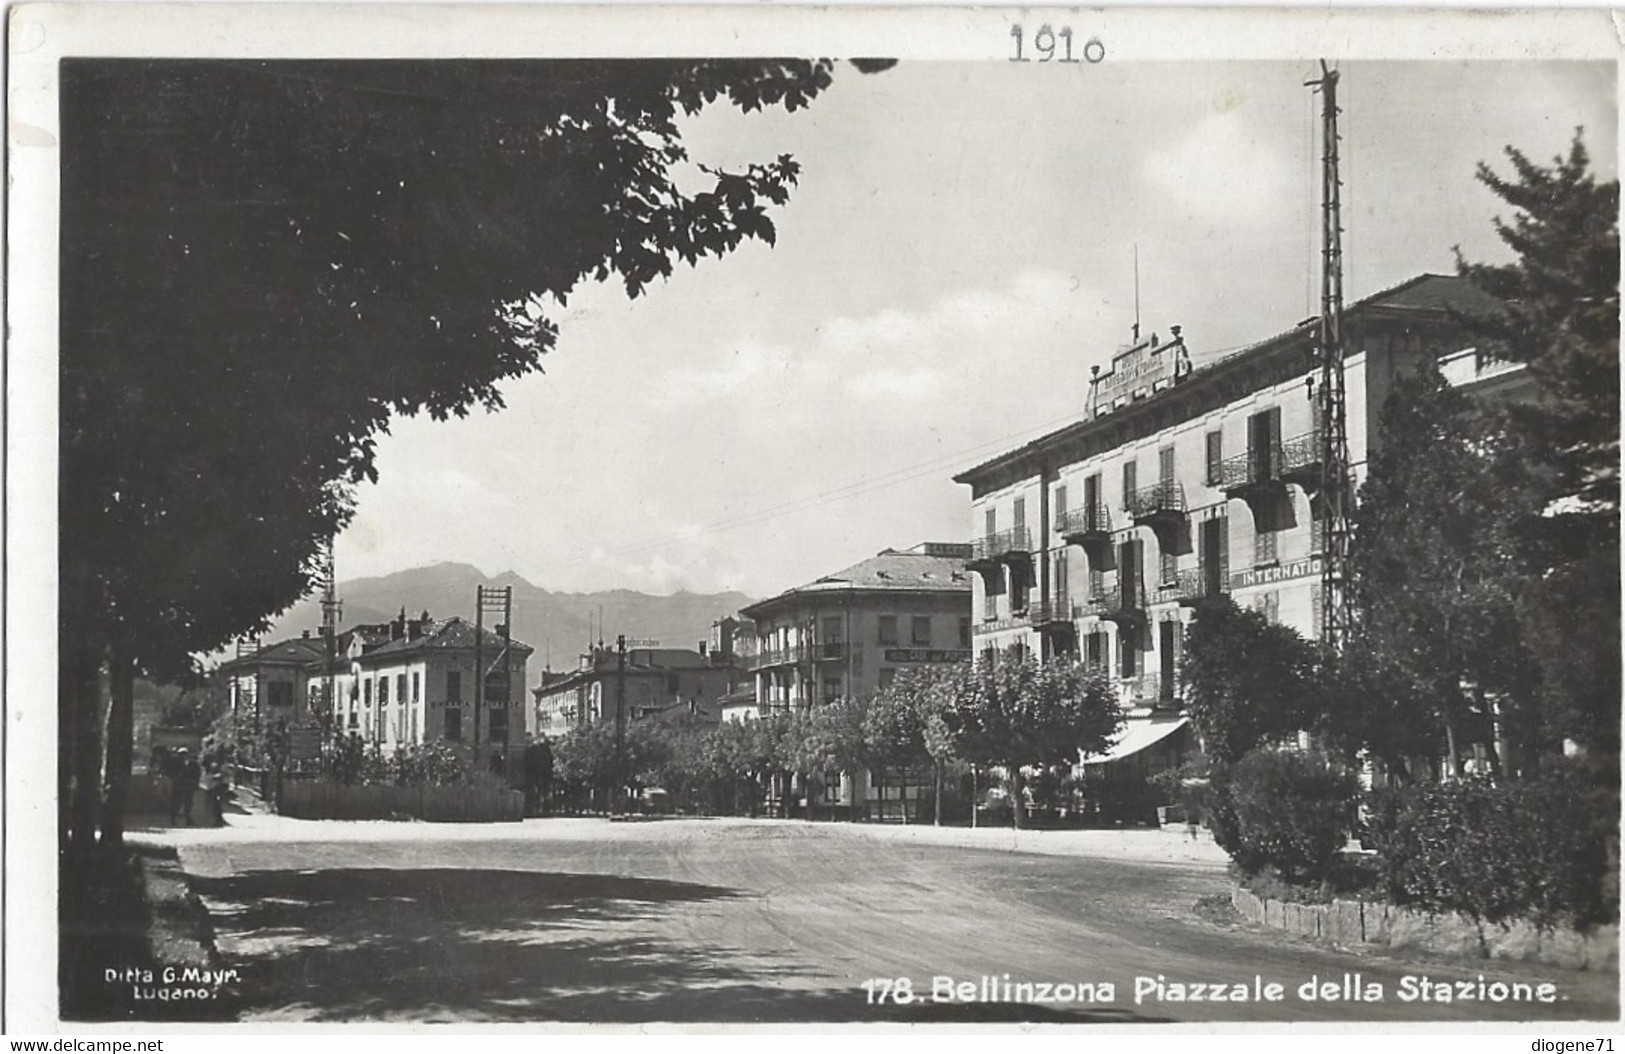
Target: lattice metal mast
{"x":497,"y":601}
{"x":1337,"y":490}
{"x":332,"y":609}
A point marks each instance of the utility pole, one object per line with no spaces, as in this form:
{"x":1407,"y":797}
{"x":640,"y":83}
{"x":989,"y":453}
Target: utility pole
{"x":494,"y":601}
{"x":620,"y":718}
{"x":1336,"y":486}
{"x":332,"y":608}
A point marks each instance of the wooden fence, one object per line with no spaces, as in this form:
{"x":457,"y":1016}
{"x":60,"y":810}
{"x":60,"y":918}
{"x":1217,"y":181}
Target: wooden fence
{"x":316,"y":800}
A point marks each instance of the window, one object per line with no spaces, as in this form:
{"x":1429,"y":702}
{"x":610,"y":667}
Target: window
{"x":1021,"y":514}
{"x":1128,"y":652}
{"x":499,"y":726}
{"x":1268,"y":605}
{"x":1317,"y":600}
{"x":454,"y":723}
{"x":1097,"y":583}
{"x":833,"y":629}
{"x":1165,"y":464}
{"x":990,"y":605}
{"x":832,"y":688}
{"x":992,"y":522}
{"x":1170,"y":567}
{"x":964,"y":632}
{"x":1131,"y":481}
{"x":1061,"y":583}
{"x":400,"y":688}
{"x":1215,"y":457}
{"x":366,"y":692}
{"x":355,"y":719}
{"x":454,"y":686}
{"x":888,"y":629}
{"x":1060,"y":501}
{"x":920,"y":631}
{"x":1264,"y":547}
{"x":1094,"y":649}
{"x":383,"y":691}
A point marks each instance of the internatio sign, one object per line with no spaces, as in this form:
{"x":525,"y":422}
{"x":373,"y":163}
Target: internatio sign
{"x":1268,"y":576}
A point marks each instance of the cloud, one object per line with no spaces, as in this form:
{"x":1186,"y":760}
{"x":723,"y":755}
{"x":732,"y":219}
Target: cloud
{"x":1226,"y":170}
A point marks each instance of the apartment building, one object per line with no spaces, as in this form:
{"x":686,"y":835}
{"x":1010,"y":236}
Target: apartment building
{"x":651,"y":682}
{"x":1179,"y":484}
{"x":848,"y":633}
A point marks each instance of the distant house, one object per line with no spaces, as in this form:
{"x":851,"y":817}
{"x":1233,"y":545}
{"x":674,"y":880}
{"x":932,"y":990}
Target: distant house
{"x":407,"y":681}
{"x":654,"y":682}
{"x":847,"y":634}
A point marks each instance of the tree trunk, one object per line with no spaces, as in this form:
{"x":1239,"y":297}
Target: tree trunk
{"x":120,"y":745}
{"x":973,"y":796}
{"x":1453,"y":759}
{"x":936,"y":775}
{"x":1015,"y":798}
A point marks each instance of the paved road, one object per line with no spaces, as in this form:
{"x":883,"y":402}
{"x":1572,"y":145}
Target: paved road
{"x":581,"y":920}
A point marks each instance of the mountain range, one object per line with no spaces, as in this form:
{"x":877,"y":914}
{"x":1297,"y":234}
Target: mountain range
{"x":558,"y":625}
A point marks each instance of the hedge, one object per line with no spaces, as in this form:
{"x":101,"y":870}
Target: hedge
{"x":1286,"y":810}
{"x":1544,"y":849}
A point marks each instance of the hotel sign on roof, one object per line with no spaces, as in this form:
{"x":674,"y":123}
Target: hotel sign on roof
{"x":1137,"y":372}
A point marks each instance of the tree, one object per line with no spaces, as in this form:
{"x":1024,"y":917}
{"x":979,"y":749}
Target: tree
{"x":1562,"y":321}
{"x":1249,"y":681}
{"x":1435,"y":577}
{"x":263,"y":262}
{"x":1016,"y":712}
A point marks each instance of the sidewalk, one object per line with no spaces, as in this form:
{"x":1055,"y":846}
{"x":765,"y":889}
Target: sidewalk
{"x":1170,"y":845}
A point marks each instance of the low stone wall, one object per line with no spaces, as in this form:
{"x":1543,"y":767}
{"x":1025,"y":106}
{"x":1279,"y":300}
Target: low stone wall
{"x":312,"y":800}
{"x":1352,"y":922}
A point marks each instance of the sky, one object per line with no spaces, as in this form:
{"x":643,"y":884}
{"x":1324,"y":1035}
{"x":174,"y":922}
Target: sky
{"x":958,"y":253}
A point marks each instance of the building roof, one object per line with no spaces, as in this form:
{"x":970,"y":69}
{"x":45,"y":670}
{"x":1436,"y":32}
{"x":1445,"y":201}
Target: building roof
{"x":889,"y":571}
{"x":454,"y":634}
{"x":640,"y":662}
{"x":294,"y":652}
{"x":1426,"y":296}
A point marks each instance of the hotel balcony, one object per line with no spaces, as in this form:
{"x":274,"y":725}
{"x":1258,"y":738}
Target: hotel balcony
{"x":1253,"y":475}
{"x":1301,"y":460}
{"x":1125,"y":605}
{"x":1159,"y":506}
{"x":766,"y":658}
{"x":1149,"y":690}
{"x":1090,"y":527}
{"x":1016,"y":543}
{"x":1194,"y":585}
{"x":829,"y":650}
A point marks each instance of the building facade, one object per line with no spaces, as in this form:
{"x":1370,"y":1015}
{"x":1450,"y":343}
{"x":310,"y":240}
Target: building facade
{"x":1179,"y":485}
{"x":398,"y":683}
{"x":652,"y":682}
{"x":847,"y":634}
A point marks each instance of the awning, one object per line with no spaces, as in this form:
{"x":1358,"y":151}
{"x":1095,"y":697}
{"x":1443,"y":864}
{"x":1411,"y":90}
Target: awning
{"x":1137,"y":734}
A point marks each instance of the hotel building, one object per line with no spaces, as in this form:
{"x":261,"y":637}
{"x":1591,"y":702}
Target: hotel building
{"x":1179,"y":485}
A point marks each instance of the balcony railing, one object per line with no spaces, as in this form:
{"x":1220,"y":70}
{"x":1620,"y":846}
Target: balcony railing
{"x":829,"y":649}
{"x":1260,"y":466}
{"x":1081,"y":526}
{"x":1194,"y":584}
{"x":1126,"y":603}
{"x":1301,"y":458}
{"x":1015,"y":541}
{"x":1090,"y":607}
{"x":1161,"y":502}
{"x":1297,"y":460}
{"x":1040,"y":613}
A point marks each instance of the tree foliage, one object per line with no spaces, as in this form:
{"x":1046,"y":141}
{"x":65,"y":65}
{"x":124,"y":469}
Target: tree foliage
{"x":1249,"y":682}
{"x":262,"y":262}
{"x":1562,"y":321}
{"x":1436,"y":577}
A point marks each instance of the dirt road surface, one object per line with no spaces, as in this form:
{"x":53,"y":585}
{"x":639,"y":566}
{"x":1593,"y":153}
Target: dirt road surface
{"x":739,"y":921}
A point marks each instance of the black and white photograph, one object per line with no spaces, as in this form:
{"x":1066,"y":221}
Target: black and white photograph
{"x":767,"y":516}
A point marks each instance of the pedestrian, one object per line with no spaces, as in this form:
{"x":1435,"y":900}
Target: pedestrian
{"x":186,"y":784}
{"x":174,"y":764}
{"x":1191,"y":819}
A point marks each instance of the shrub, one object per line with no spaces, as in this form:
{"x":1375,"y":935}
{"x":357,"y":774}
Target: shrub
{"x":1536,"y":849}
{"x":1287,"y":810}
